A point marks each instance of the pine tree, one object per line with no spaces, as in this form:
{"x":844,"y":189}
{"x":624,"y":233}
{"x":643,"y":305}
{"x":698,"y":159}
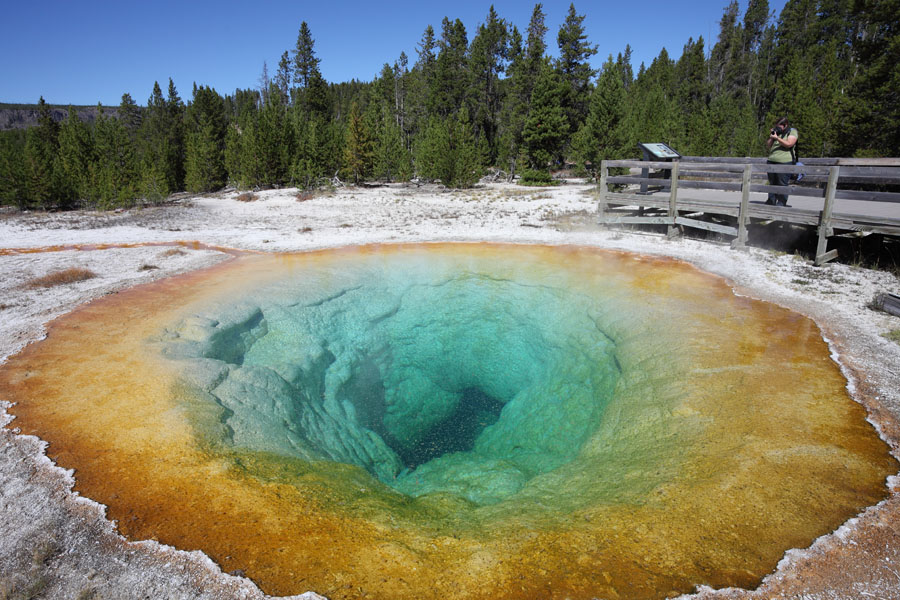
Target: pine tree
{"x":319,"y":150}
{"x":392,"y":159}
{"x":535,"y":46}
{"x":601,"y":136}
{"x":487,"y":56}
{"x":872,"y":123}
{"x":515,"y":105}
{"x":573,"y":65}
{"x":417,"y":85}
{"x":312,"y":94}
{"x":526,"y":61}
{"x":175,"y":133}
{"x":434,"y":158}
{"x":264,"y":82}
{"x":466,"y":164}
{"x":692,"y":96}
{"x":401,"y":87}
{"x":243,"y":111}
{"x":233,"y":150}
{"x":546,"y":127}
{"x":157,"y":174}
{"x":623,"y":64}
{"x":13,"y":191}
{"x":272,"y":144}
{"x":75,"y":158}
{"x":114,"y":179}
{"x":283,"y":77}
{"x":358,"y":148}
{"x":306,"y":64}
{"x":427,"y":56}
{"x":41,"y":147}
{"x":129,"y":115}
{"x":653,"y":113}
{"x":756,"y":19}
{"x":448,"y":151}
{"x":205,"y":141}
{"x":451,"y":76}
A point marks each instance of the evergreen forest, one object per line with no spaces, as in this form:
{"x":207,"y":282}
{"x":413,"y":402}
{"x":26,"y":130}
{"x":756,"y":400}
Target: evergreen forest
{"x":490,"y":98}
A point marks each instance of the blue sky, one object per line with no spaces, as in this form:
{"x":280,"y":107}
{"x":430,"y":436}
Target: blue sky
{"x":94,"y":51}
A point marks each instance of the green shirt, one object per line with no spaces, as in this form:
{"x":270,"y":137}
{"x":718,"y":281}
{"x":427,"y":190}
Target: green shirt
{"x":779,"y":154}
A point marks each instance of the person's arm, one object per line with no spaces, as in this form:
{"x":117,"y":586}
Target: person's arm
{"x":786,"y":143}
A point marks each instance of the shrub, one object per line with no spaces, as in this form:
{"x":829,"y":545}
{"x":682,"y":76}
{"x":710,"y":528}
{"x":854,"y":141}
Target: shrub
{"x":63,"y":277}
{"x":535,"y":177}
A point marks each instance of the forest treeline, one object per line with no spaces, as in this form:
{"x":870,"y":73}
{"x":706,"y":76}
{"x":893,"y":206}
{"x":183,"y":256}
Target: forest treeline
{"x":487,"y":98}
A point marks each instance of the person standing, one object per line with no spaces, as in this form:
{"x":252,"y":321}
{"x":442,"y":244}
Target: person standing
{"x":782,"y":140}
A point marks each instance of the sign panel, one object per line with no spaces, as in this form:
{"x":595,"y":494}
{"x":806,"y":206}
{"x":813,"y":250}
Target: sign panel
{"x":659,"y":150}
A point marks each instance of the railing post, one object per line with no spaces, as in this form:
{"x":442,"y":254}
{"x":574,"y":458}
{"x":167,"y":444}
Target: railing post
{"x":604,"y":189}
{"x":825,"y":219}
{"x":673,"y":195}
{"x":741,"y":240}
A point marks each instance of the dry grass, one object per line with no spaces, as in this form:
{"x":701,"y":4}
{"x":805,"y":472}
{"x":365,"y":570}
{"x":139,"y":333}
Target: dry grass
{"x":173,"y":252}
{"x":27,"y":587}
{"x":33,"y":579}
{"x":246,"y":197}
{"x":63,"y":277}
{"x":515,"y":193}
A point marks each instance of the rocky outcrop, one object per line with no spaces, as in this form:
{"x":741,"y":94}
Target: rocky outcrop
{"x":23,"y":116}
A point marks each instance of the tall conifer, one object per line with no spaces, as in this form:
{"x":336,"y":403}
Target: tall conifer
{"x":75,"y":158}
{"x":41,"y":147}
{"x":602,"y":136}
{"x":546,"y":127}
{"x":574,"y":66}
{"x":13,"y":190}
{"x":358,"y":147}
{"x":487,"y":58}
{"x":205,"y":141}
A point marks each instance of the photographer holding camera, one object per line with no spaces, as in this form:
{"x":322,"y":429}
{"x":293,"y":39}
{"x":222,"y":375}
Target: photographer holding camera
{"x":782,"y":140}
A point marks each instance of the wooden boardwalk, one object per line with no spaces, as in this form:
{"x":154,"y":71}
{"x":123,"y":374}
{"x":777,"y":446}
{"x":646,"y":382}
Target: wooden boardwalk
{"x":726,"y":194}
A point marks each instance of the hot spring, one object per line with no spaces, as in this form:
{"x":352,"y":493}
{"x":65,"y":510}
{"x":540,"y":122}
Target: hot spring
{"x":456,"y":420}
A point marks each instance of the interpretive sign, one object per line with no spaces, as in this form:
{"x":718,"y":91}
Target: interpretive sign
{"x":658,"y":150}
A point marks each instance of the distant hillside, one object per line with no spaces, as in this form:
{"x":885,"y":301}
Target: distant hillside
{"x":22,"y":116}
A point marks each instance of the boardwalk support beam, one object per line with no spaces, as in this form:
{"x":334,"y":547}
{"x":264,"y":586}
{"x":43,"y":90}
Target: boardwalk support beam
{"x":673,"y":230}
{"x":740,"y":241}
{"x":822,"y":256}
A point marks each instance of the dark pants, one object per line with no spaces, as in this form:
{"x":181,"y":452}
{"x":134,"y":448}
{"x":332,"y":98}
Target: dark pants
{"x":778,"y":179}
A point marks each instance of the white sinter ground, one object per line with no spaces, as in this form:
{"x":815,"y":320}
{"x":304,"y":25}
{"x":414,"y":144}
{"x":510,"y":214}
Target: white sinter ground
{"x":55,"y":544}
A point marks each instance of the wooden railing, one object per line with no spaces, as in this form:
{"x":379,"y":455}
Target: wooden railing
{"x":822,"y":179}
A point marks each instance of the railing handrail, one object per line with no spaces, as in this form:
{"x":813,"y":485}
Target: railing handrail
{"x":886,"y":175}
{"x":814,"y":161}
{"x":874,"y":175}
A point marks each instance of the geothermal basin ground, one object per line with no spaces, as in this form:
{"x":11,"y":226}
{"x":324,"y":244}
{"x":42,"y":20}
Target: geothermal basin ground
{"x":58,"y":544}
